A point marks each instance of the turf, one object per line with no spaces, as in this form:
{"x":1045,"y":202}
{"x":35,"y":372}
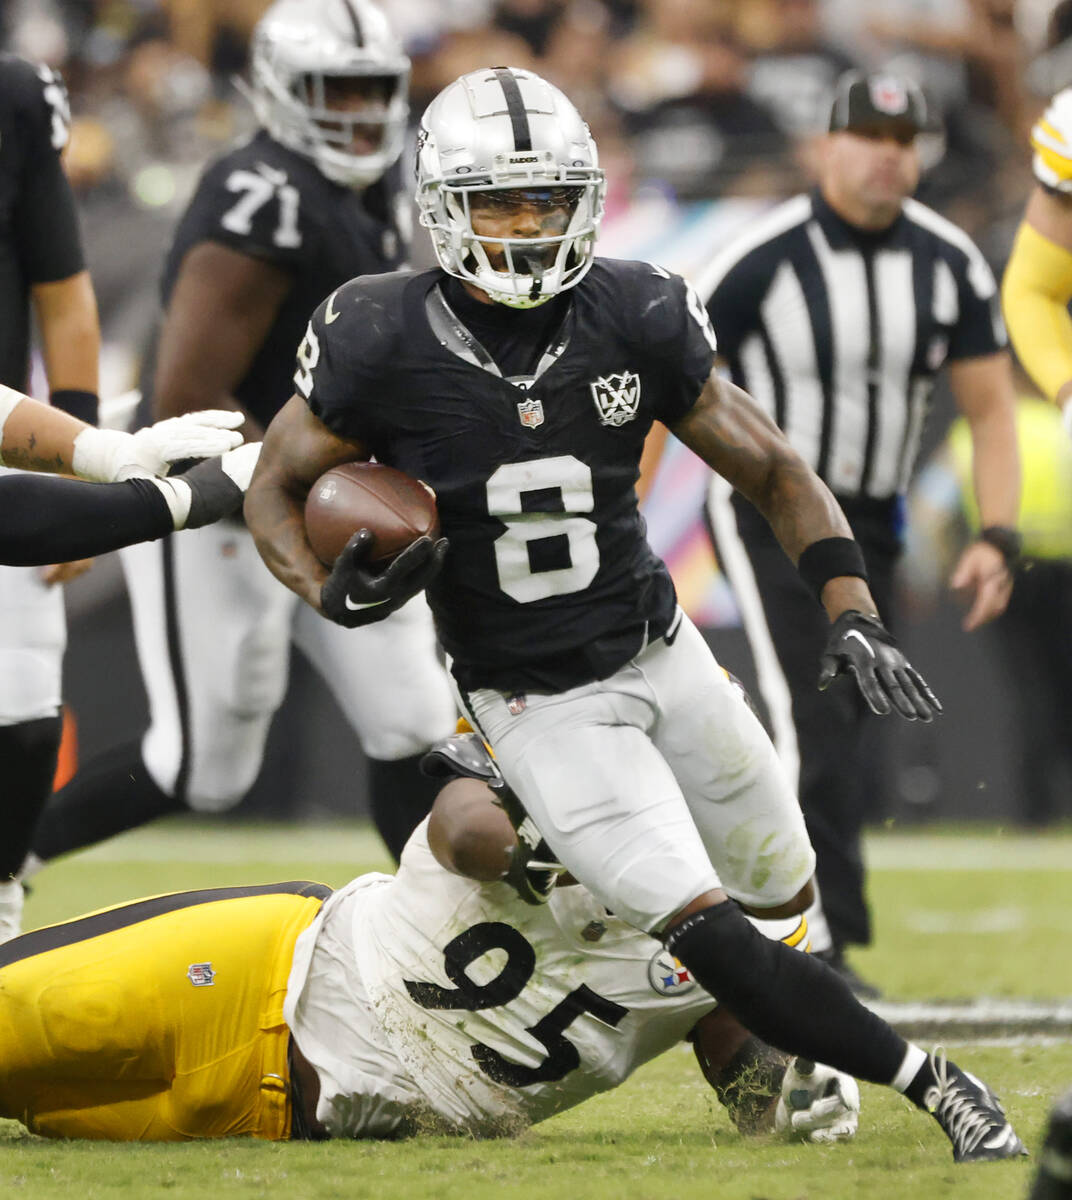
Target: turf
{"x":957,"y":915}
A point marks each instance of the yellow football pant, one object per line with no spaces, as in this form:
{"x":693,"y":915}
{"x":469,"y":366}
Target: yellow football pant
{"x":160,"y":1020}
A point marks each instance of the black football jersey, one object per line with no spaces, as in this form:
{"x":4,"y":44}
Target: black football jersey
{"x":39,"y":238}
{"x":550,"y":581}
{"x":266,"y":201}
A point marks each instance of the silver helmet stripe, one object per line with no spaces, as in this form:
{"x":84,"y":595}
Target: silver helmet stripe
{"x":351,"y":11}
{"x":515,"y":106}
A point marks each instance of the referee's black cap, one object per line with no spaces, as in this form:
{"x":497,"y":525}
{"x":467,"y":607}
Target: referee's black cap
{"x":866,"y":101}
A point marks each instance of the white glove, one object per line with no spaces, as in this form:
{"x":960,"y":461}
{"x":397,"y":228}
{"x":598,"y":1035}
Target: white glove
{"x":109,"y":456}
{"x":817,"y":1104}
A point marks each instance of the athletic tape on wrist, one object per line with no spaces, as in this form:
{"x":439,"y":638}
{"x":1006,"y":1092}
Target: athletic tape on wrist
{"x":177,"y":494}
{"x":829,"y":558}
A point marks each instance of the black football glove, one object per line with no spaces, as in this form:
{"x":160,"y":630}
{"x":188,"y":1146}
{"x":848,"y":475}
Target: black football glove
{"x":864,"y":646}
{"x":532,"y":871}
{"x":353,"y":594}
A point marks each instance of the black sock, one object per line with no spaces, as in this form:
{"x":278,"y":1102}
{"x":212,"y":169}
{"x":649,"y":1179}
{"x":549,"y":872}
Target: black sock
{"x":112,"y":794}
{"x":400,"y":798}
{"x":788,"y":999}
{"x":28,"y":751}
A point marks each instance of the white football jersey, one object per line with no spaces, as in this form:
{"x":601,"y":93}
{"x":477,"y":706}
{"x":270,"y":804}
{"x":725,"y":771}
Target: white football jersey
{"x":1051,"y":139}
{"x":501,"y":1013}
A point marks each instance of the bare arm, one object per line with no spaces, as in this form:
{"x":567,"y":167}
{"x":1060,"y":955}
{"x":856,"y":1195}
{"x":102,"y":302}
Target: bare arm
{"x":70,"y":332}
{"x":221,"y":309}
{"x":298,"y":449}
{"x":984,"y":393}
{"x":35,"y":436}
{"x":738,"y":440}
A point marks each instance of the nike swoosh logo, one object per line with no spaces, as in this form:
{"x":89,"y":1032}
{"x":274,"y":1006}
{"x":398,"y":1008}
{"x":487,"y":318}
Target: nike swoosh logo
{"x":357,"y":607}
{"x":330,"y":313}
{"x":860,"y":638}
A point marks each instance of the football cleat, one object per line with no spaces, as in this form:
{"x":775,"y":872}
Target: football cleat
{"x":11,"y":900}
{"x":970,"y":1114}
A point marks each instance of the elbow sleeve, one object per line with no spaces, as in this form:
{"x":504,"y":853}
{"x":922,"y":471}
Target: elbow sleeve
{"x":1035,"y":293}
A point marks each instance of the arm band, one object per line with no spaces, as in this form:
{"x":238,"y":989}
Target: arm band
{"x":82,"y":405}
{"x":829,"y":558}
{"x":1035,"y":293}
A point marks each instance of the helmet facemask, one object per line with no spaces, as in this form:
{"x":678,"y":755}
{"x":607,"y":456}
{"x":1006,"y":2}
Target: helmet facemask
{"x":521,"y":272}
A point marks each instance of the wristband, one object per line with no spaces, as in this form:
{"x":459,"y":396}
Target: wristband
{"x":1009,"y":541}
{"x":829,"y":558}
{"x":82,"y":405}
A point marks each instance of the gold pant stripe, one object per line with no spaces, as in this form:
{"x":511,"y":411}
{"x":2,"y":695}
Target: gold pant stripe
{"x":105,"y":920}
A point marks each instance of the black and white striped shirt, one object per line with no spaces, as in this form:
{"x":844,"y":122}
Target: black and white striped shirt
{"x":838,"y":333}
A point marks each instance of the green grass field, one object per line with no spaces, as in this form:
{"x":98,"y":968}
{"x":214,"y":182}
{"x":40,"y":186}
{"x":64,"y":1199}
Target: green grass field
{"x":958,"y":915}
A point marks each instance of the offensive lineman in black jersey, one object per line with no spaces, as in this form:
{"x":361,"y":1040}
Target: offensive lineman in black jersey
{"x":274,"y":226}
{"x":519,"y":382}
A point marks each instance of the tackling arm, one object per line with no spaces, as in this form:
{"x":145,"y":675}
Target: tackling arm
{"x":220,"y":311}
{"x":298,"y":449}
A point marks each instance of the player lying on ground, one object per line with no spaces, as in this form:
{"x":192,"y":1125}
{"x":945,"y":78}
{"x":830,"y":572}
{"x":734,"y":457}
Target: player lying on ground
{"x":519,"y":380}
{"x":54,"y":520}
{"x":423,"y":1002}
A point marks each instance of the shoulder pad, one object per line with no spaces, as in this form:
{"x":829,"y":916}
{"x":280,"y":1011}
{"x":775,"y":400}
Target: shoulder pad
{"x":1051,"y":139}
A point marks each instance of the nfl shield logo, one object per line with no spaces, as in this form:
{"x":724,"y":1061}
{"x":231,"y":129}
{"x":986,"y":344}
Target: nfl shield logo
{"x":201,"y":974}
{"x":667,"y":976}
{"x":888,"y":95}
{"x":616,"y":397}
{"x":531,"y":413}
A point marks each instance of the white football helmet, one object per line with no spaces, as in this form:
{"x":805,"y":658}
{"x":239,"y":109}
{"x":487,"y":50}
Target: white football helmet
{"x":506,"y":129}
{"x":297,"y":46}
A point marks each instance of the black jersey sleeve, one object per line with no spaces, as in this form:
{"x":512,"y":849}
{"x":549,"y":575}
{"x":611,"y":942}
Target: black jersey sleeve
{"x":45,"y":219}
{"x":343,"y":357}
{"x":678,"y":331}
{"x":979,"y":329}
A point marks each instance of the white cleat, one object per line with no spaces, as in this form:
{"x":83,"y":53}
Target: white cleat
{"x":11,"y":900}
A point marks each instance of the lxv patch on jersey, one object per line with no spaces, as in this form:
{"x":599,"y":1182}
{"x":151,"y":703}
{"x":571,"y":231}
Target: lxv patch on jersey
{"x":616,"y":397}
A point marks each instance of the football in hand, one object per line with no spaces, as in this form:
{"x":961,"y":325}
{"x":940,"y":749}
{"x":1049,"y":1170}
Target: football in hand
{"x":396,"y":508}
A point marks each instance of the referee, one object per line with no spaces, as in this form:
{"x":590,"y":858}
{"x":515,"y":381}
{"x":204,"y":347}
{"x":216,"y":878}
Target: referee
{"x":835,"y":312}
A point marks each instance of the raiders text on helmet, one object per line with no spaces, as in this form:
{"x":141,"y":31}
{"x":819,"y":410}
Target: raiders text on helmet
{"x":504,"y":129}
{"x":298,"y":48}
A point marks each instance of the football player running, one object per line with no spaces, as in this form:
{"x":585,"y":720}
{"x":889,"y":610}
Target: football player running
{"x":436,"y":1000}
{"x":273,"y":227}
{"x":519,"y":380}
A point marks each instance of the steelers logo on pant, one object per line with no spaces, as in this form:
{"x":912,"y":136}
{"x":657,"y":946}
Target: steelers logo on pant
{"x":668,"y":976}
